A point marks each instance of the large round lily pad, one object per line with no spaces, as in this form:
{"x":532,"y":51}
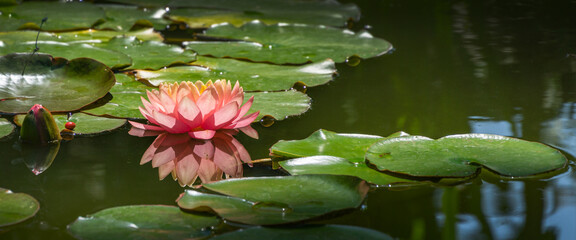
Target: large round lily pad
{"x":6,"y":127}
{"x":252,"y":76}
{"x":285,"y":43}
{"x":277,"y":200}
{"x":16,"y":207}
{"x":142,"y":222}
{"x":305,"y":232}
{"x":463,"y":155}
{"x":56,"y":83}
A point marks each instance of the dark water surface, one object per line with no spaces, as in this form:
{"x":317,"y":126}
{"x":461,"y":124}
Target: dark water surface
{"x":502,"y":67}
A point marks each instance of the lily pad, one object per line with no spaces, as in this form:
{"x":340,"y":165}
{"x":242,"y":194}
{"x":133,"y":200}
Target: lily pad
{"x":306,"y":232}
{"x":463,"y":155}
{"x":16,"y":207}
{"x":340,"y":166}
{"x":323,"y":142}
{"x":59,"y":16}
{"x":6,"y":127}
{"x":56,"y":83}
{"x":113,"y":59}
{"x":279,"y":105}
{"x":149,"y":54}
{"x":126,"y":99}
{"x":277,"y":200}
{"x":206,"y":13}
{"x":124,"y":18}
{"x":252,"y":76}
{"x":84,"y":36}
{"x":143,"y":222}
{"x":85,"y":124}
{"x":286,"y":43}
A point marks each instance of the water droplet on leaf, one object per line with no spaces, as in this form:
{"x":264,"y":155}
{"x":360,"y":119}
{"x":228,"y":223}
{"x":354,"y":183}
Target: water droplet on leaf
{"x":267,"y":121}
{"x":300,"y":87}
{"x":272,"y":207}
{"x":353,"y":60}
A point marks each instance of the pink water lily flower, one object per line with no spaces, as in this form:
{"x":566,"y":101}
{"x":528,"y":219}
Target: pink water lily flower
{"x":197,"y":109}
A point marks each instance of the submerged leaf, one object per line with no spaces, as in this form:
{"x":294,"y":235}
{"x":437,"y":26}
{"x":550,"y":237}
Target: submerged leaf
{"x":142,"y":222}
{"x":285,"y":43}
{"x":277,"y":200}
{"x":463,"y":155}
{"x":16,"y":207}
{"x":56,"y":83}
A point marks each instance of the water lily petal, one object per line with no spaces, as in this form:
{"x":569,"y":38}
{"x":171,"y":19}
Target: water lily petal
{"x":165,"y":169}
{"x":207,"y":102}
{"x":149,"y":154}
{"x":222,"y":117}
{"x":208,"y":171}
{"x":189,"y":112}
{"x":249,"y":131}
{"x":146,"y":126}
{"x":244,"y":121}
{"x":187,"y":166}
{"x":225,"y":159}
{"x":170,"y":123}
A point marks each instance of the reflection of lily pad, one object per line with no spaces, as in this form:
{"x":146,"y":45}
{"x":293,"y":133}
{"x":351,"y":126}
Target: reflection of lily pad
{"x":339,"y":166}
{"x":59,"y":15}
{"x":85,"y":124}
{"x":284,"y":43}
{"x":463,"y":155}
{"x":56,"y":83}
{"x":143,"y":222}
{"x":149,"y":54}
{"x":277,"y":200}
{"x":16,"y":207}
{"x":6,"y":128}
{"x":252,"y":76}
{"x":305,"y":232}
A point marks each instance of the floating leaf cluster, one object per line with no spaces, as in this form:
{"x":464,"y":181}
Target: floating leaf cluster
{"x":139,"y":42}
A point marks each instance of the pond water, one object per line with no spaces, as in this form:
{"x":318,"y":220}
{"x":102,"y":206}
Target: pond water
{"x":502,"y":67}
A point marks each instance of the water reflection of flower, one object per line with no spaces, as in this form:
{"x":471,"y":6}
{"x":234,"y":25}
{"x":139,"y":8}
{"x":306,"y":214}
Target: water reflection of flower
{"x":188,"y":158}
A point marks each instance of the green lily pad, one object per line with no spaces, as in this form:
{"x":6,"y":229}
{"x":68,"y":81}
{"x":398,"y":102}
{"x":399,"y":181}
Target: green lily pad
{"x":124,"y":18}
{"x":143,"y":222}
{"x":323,"y":142}
{"x":277,"y":200}
{"x":60,"y":16}
{"x":201,"y":14}
{"x":113,"y":59}
{"x":279,"y":105}
{"x":6,"y":127}
{"x":16,"y":207}
{"x":149,"y":54}
{"x":463,"y":155}
{"x":285,"y":43}
{"x":306,"y":232}
{"x":126,"y":100}
{"x":85,"y":124}
{"x":56,"y":83}
{"x":340,"y":166}
{"x":84,"y":36}
{"x":252,"y":76}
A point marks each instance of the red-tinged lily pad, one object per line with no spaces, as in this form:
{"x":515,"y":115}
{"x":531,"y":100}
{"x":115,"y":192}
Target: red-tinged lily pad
{"x":6,"y":127}
{"x":252,"y":76}
{"x":58,"y":84}
{"x":277,"y":200}
{"x":304,"y":232}
{"x":459,"y":156}
{"x":143,"y":222}
{"x":289,"y":43}
{"x":16,"y":207}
